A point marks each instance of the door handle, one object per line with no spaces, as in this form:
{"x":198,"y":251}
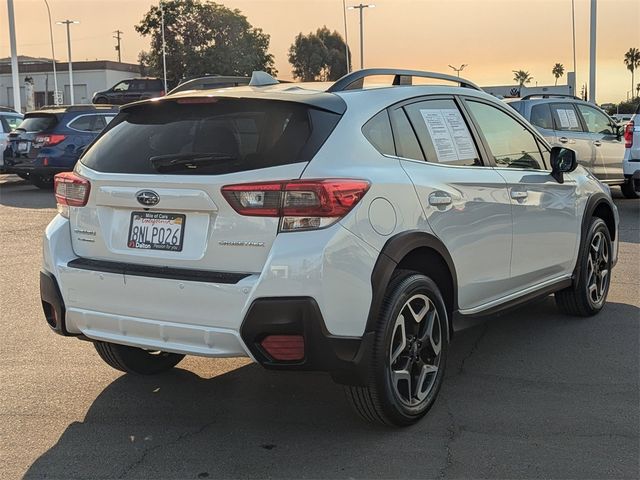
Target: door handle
{"x":519,"y":194}
{"x":438,"y":199}
{"x":597,"y":143}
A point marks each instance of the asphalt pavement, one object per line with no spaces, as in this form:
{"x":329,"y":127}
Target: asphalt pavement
{"x":530,"y":394}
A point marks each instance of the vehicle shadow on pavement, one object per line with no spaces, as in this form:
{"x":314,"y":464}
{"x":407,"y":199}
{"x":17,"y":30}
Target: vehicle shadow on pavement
{"x":251,"y":423}
{"x":25,"y":195}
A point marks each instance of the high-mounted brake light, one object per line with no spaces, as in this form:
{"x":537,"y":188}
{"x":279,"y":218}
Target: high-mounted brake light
{"x":49,"y":140}
{"x":71,"y":190}
{"x":628,"y":135}
{"x":300,"y":204}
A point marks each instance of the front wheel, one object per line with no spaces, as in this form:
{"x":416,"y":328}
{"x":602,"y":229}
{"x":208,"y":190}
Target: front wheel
{"x":409,"y":354}
{"x":588,"y":294}
{"x":136,"y":360}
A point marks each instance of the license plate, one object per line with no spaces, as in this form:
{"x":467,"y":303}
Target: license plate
{"x":23,"y":147}
{"x":156,"y":231}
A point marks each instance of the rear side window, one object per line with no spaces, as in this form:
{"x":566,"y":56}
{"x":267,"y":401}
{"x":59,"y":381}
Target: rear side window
{"x":378,"y":132}
{"x":541,"y":116}
{"x":224,"y":136}
{"x":565,"y":117}
{"x":38,"y":122}
{"x":443,"y":133}
{"x":88,"y":123}
{"x":152,"y":85}
{"x":12,"y":122}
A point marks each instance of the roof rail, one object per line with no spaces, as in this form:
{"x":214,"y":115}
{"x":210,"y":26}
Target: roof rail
{"x":355,"y":80}
{"x":550,"y":95}
{"x":79,"y":108}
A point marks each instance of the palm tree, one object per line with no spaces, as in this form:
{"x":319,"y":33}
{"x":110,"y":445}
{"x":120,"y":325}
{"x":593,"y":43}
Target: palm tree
{"x":632,"y":61}
{"x":557,"y":71}
{"x":522,"y":77}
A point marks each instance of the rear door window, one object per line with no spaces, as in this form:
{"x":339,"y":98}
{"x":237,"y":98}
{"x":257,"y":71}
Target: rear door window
{"x":87,"y":123}
{"x":541,"y":116}
{"x":565,"y":117}
{"x":38,"y":122}
{"x":407,"y":145}
{"x":443,"y":132}
{"x":216,"y":137}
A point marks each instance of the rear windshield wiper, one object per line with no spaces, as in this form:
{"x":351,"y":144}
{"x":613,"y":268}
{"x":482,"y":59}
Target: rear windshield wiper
{"x":188,"y":161}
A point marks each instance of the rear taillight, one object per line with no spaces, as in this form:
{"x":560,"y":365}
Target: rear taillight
{"x":284,"y":348}
{"x":71,"y":190}
{"x":300,"y":204}
{"x":628,"y":135}
{"x":49,"y":140}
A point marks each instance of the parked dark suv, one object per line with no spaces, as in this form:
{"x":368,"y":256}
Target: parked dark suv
{"x":130,"y":90}
{"x":51,"y":140}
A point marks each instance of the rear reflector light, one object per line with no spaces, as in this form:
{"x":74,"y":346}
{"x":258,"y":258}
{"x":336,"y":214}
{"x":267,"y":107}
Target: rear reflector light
{"x":71,"y":190}
{"x":301,"y":204}
{"x":286,"y":348}
{"x":49,"y":140}
{"x":628,"y":135}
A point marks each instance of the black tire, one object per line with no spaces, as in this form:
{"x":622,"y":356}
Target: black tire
{"x":388,"y":398}
{"x":136,"y":360}
{"x":628,"y":189}
{"x":581,"y":299}
{"x":101,"y":101}
{"x":44,"y":182}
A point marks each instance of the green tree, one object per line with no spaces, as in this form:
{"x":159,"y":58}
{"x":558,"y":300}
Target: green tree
{"x":318,"y":56}
{"x":522,"y":77}
{"x":557,"y":71}
{"x":632,"y":61}
{"x":203,"y":38}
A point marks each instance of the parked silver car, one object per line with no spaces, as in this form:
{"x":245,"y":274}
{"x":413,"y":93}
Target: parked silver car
{"x":568,"y":121}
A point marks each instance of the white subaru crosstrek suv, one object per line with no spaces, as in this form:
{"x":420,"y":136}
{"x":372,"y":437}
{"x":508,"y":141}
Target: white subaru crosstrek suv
{"x":349,"y":230}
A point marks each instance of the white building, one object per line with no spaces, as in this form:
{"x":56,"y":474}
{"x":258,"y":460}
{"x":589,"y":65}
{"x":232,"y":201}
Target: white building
{"x":88,"y":77}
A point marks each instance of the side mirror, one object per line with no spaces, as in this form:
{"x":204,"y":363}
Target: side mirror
{"x":563,"y":160}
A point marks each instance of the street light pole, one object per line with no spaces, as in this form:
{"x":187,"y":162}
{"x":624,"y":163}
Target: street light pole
{"x":592,"y":52}
{"x":458,"y":70}
{"x":15,"y":81}
{"x":67,"y":23}
{"x":346,"y":38}
{"x":53,"y":58}
{"x":361,"y":7}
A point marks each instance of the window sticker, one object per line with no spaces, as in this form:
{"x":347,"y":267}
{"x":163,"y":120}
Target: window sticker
{"x":563,"y":117}
{"x":573,"y":119}
{"x":568,"y":118}
{"x":449,"y":134}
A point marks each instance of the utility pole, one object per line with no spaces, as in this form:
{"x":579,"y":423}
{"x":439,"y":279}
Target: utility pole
{"x":592,"y":52}
{"x":15,"y":81}
{"x":361,"y":7}
{"x":67,"y":23}
{"x":164,"y":49}
{"x":117,"y":37}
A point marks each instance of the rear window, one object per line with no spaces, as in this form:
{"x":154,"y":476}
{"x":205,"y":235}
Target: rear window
{"x":228,"y":135}
{"x":38,"y":122}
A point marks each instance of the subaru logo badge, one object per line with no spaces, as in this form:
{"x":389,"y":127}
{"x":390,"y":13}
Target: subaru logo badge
{"x":148,"y":198}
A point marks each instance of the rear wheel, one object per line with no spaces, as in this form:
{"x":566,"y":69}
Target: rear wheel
{"x":44,"y":182}
{"x":629,"y":190}
{"x":588,"y":294}
{"x":136,"y":360}
{"x":101,"y":101}
{"x":409,"y":355}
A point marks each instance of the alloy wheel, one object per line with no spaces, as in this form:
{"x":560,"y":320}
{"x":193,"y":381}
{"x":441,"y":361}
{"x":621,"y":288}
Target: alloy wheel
{"x":416,"y":344}
{"x":598,"y":268}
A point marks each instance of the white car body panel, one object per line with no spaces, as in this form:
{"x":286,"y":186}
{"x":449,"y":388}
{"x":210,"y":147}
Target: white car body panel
{"x":502,"y":249}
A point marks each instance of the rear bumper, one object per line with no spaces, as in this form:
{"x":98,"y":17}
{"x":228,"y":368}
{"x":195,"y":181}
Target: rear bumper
{"x":35,"y":170}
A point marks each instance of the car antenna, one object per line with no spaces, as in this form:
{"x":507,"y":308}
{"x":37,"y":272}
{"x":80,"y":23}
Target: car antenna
{"x":262,"y":79}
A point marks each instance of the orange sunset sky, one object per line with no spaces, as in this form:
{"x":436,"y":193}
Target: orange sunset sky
{"x":493,"y":36}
